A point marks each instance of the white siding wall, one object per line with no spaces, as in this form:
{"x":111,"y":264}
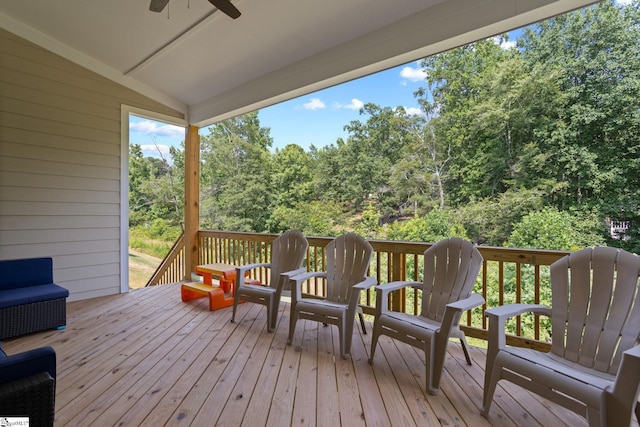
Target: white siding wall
{"x":60,"y":165}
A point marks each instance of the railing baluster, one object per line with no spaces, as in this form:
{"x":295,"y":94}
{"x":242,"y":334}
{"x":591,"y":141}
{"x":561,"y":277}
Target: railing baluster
{"x":392,"y":261}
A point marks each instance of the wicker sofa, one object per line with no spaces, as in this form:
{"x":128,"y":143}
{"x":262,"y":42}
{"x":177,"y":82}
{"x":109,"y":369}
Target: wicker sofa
{"x":28,"y":385}
{"x":29,"y":300}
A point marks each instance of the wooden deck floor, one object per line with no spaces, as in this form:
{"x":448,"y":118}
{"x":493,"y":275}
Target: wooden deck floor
{"x":146,"y":358}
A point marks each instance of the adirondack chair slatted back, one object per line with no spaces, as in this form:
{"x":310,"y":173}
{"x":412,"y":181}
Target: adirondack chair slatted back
{"x":451,"y":268}
{"x":596,"y":307}
{"x":348,"y":258}
{"x":287,"y":253}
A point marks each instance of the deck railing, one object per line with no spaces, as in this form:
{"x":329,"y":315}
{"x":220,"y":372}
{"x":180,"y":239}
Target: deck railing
{"x":507,"y":276}
{"x":172,"y":268}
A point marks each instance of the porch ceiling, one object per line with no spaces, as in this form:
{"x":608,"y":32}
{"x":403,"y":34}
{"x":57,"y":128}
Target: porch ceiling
{"x":197,"y":60}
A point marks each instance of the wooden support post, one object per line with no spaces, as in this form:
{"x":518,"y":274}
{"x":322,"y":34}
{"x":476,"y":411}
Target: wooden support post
{"x":191,"y":199}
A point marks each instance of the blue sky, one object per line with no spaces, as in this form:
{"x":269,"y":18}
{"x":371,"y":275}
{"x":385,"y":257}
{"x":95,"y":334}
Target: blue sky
{"x":317,"y":118}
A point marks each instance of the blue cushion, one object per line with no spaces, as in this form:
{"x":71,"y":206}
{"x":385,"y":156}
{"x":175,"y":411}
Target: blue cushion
{"x":25,"y":272}
{"x":28,"y":363}
{"x":31,"y":294}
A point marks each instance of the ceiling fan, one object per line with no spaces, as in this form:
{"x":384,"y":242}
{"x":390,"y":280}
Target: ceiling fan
{"x":223,"y":5}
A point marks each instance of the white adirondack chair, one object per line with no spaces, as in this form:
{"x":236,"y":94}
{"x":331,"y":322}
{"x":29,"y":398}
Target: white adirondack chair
{"x":593,"y":367}
{"x":451,"y":267}
{"x":347,"y":260}
{"x":287,"y":253}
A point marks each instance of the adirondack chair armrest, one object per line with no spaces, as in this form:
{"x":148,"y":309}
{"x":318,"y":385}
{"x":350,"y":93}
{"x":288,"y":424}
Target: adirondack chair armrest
{"x":292,"y":273}
{"x":394,"y":286}
{"x":472,"y":301}
{"x":365,"y":284}
{"x":243,"y":269}
{"x":360,"y":286}
{"x":453,"y":310}
{"x":498,"y":317}
{"x":288,"y":275}
{"x":382,"y":292}
{"x":511,"y":310}
{"x":299,"y":279}
{"x":624,"y":397}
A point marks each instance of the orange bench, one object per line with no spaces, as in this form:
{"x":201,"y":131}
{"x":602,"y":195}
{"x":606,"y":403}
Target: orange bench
{"x":221,"y":295}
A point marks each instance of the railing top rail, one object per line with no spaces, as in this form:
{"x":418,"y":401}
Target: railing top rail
{"x":489,"y":253}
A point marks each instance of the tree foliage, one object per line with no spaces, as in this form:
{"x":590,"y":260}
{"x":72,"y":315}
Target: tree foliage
{"x":534,"y":145}
{"x":236,"y":175}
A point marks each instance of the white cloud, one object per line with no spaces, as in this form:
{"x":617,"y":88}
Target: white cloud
{"x":156,"y":150}
{"x":314,"y":104}
{"x":355,"y":104}
{"x":624,"y":2}
{"x":151,"y":128}
{"x":413,"y":74}
{"x":414,"y":111}
{"x":504,"y":44}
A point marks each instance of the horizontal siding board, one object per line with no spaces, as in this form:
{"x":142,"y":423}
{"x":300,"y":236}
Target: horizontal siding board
{"x":41,"y":139}
{"x":77,"y":80}
{"x":42,"y":180}
{"x":50,"y":208}
{"x":89,"y":259}
{"x":35,"y":222}
{"x":77,"y":83}
{"x":91,"y":287}
{"x":19,"y":48}
{"x":66,"y":73}
{"x":61,"y":100}
{"x":17,"y":237}
{"x":56,"y":195}
{"x":36,"y":109}
{"x":44,"y":84}
{"x":55,"y":249}
{"x":85,"y":272}
{"x":86,"y":292}
{"x":19,"y":121}
{"x":42,"y":169}
{"x":26,"y":151}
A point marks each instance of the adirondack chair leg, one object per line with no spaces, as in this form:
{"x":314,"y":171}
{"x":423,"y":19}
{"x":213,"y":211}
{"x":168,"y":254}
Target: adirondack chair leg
{"x":463,"y":341}
{"x":364,"y":330}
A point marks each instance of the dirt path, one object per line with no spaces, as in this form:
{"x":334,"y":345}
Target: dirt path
{"x":141,"y":267}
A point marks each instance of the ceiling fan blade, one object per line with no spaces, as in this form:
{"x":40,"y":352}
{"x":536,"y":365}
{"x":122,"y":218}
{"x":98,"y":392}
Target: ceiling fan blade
{"x":158,"y":5}
{"x":226,"y":7}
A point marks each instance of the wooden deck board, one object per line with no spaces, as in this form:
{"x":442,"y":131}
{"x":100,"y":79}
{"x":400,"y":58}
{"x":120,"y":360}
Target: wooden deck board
{"x":147,"y":358}
{"x":328,"y":407}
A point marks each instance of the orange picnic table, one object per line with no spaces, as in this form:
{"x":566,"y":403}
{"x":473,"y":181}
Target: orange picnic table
{"x":221,"y":294}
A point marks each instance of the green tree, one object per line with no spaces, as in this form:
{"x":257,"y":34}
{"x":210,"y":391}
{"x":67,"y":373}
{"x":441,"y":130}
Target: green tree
{"x":314,"y":218}
{"x":292,"y":176}
{"x":235,"y":175}
{"x":418,"y":177}
{"x":552,"y":229}
{"x":432,"y":227}
{"x":354,"y":170}
{"x":154,"y":192}
{"x":490,"y":221}
{"x":460,"y":83}
{"x":369,"y":225}
{"x":593,"y":145}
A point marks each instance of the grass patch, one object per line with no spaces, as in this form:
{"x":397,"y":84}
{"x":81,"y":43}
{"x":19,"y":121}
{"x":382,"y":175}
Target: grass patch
{"x":153,"y":241}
